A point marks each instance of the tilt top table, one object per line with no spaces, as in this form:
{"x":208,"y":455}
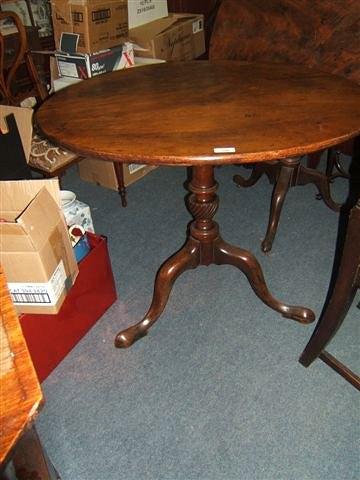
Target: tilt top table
{"x":203,"y":114}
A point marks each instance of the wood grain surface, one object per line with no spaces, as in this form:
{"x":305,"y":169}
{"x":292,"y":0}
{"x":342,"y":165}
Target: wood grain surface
{"x":20,"y":392}
{"x":177,"y":113}
{"x":323,"y":34}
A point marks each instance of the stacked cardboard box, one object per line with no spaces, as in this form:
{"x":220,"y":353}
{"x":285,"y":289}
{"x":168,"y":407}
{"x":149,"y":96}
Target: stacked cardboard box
{"x":90,"y":37}
{"x":179,"y":36}
{"x":100,"y":24}
{"x":161,"y":35}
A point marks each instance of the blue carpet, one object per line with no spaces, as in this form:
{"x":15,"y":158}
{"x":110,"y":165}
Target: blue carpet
{"x":215,"y":391}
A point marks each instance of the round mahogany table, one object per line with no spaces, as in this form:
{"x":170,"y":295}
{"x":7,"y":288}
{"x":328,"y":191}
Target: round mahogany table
{"x":203,"y":114}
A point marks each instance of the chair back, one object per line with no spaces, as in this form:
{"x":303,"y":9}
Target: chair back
{"x":322,"y":34}
{"x":13,"y":165}
{"x":10,"y":63}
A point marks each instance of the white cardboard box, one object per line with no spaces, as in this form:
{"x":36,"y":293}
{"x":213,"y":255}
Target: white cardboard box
{"x":145,"y":11}
{"x":87,"y":65}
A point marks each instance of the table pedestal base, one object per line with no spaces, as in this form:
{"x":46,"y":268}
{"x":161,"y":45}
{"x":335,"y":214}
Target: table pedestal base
{"x":204,"y":246}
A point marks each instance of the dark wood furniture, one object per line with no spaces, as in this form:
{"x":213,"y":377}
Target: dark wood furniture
{"x":20,"y":55}
{"x":37,"y":39}
{"x":21,"y":398}
{"x":190,"y":114}
{"x":337,"y":306}
{"x":320,"y":35}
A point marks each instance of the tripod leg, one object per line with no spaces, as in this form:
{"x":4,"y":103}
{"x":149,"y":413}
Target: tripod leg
{"x":184,"y":259}
{"x":279,"y":193}
{"x":226,"y":254}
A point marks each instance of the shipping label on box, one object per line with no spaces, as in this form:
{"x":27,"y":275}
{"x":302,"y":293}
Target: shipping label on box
{"x":41,"y":293}
{"x":178,"y":37}
{"x":145,"y":11}
{"x":101,"y":24}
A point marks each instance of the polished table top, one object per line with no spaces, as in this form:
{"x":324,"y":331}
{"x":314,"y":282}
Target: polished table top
{"x":181,"y":113}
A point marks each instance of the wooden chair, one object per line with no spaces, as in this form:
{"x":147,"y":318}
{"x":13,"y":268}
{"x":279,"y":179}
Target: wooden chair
{"x":323,"y":35}
{"x":45,"y":158}
{"x":339,"y":302}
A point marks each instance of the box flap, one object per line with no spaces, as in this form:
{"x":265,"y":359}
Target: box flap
{"x":40,"y":217}
{"x":23,"y":117}
{"x":15,"y":195}
{"x":13,"y":238}
{"x":145,"y":33}
{"x":179,"y":18}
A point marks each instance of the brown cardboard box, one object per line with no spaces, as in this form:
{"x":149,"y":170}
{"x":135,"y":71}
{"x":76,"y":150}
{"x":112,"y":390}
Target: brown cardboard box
{"x":35,"y":248}
{"x":180,"y":36}
{"x":103,"y":173}
{"x":101,"y":24}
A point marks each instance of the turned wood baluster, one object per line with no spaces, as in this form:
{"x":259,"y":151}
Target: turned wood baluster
{"x":203,"y":203}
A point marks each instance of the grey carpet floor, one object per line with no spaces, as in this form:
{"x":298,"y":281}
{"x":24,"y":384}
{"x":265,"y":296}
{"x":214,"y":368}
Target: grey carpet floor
{"x":215,"y":391}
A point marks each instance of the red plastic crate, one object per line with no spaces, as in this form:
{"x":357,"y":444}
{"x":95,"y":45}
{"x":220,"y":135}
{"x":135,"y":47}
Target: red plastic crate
{"x":51,"y":337}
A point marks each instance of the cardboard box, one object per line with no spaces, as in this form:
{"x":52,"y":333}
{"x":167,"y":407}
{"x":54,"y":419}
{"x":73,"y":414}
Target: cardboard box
{"x":64,"y":82}
{"x":145,"y":11}
{"x":87,"y":65}
{"x":180,"y":36}
{"x":103,"y":173}
{"x":101,"y":24}
{"x":23,"y":117}
{"x":51,"y":337}
{"x":35,"y":249}
{"x":140,"y":61}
